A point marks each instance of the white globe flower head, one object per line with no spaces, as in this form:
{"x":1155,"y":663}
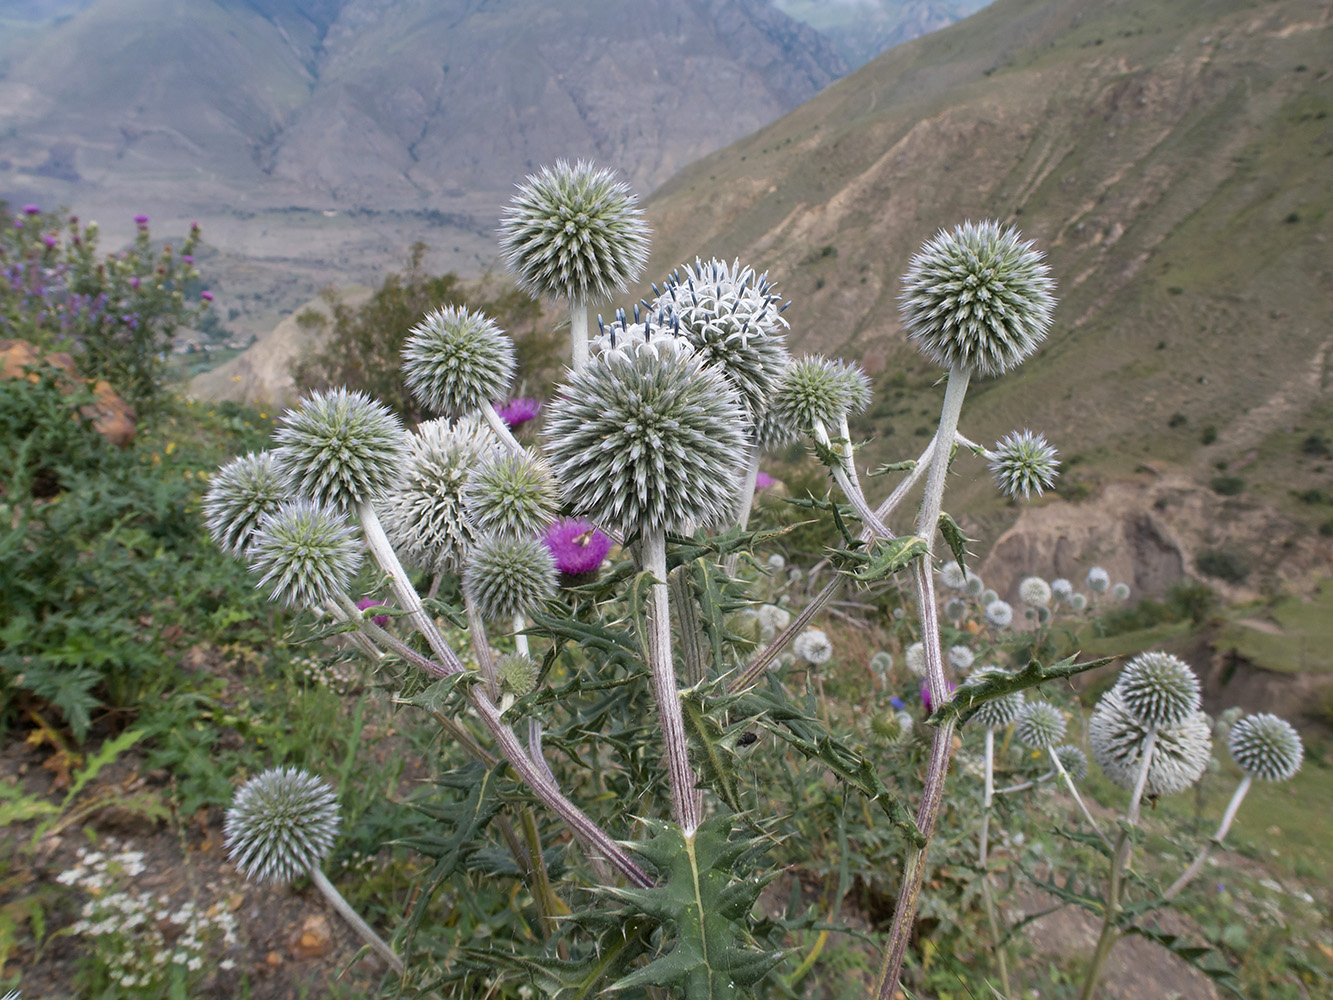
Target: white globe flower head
{"x":776,"y":562}
{"x":512,"y":494}
{"x":915,"y":657}
{"x":773,"y":619}
{"x":952,"y":576}
{"x":813,"y":647}
{"x":1040,"y":725}
{"x":505,"y":576}
{"x":977,"y":299}
{"x":650,"y":332}
{"x":1078,"y":602}
{"x":1022,"y":464}
{"x":975,"y":586}
{"x":457,"y":360}
{"x":881,"y":662}
{"x":1098,"y":580}
{"x":955,"y":609}
{"x":281,"y":825}
{"x":987,"y":596}
{"x":1117,"y":738}
{"x":813,"y":390}
{"x":1266,"y":746}
{"x":1073,"y":760}
{"x":1062,"y":589}
{"x":306,"y":551}
{"x":574,"y":232}
{"x":1120,"y":591}
{"x":856,"y":385}
{"x":999,"y":613}
{"x":994,"y":713}
{"x":1160,"y":689}
{"x":239,"y":494}
{"x":960,"y":657}
{"x":1034,"y":591}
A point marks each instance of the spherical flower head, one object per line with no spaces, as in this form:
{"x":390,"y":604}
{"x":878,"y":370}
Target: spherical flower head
{"x":512,"y":494}
{"x":425,"y":516}
{"x":456,"y":360}
{"x":1265,"y":746}
{"x":574,"y":233}
{"x":772,"y":620}
{"x":1073,"y":760}
{"x":1035,"y":591}
{"x":996,"y":713}
{"x":1098,"y":580}
{"x":987,"y":596}
{"x":881,"y":662}
{"x":518,"y":412}
{"x":856,"y":385}
{"x":1078,"y":602}
{"x":240,"y":493}
{"x":999,"y":613}
{"x":955,"y":609}
{"x":891,"y":728}
{"x":341,"y":447}
{"x":506,"y":576}
{"x":953,"y":576}
{"x":577,"y":547}
{"x":281,"y":825}
{"x":813,"y":647}
{"x":915,"y":658}
{"x":1117,"y":737}
{"x":1040,"y":725}
{"x":649,"y":442}
{"x":733,"y":319}
{"x":771,"y":432}
{"x":975,"y":586}
{"x":960,"y":657}
{"x":1120,"y":591}
{"x":813,"y":390}
{"x":1023,"y":463}
{"x":306,"y":551}
{"x":1062,"y":589}
{"x":977,"y":299}
{"x":1162,"y":690}
{"x":517,"y":674}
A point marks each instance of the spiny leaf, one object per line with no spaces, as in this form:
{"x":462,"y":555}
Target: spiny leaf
{"x":683,"y":550}
{"x":884,"y":470}
{"x":953,"y":535}
{"x":1206,"y":959}
{"x":712,"y":745}
{"x":577,"y":979}
{"x":887,"y":557}
{"x":971,"y":696}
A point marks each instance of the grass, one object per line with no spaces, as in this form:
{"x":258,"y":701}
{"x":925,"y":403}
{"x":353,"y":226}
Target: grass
{"x":1302,"y":640}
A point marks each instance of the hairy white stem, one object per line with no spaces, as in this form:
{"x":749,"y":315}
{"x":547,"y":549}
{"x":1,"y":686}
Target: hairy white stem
{"x":359,"y":639}
{"x":481,"y":647}
{"x":850,"y":487}
{"x":578,"y":334}
{"x":1059,"y":768}
{"x":1228,"y":817}
{"x":363,"y":929}
{"x":501,"y":429}
{"x":747,"y":488}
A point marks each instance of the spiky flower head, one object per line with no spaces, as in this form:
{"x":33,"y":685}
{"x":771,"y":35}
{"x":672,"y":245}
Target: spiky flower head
{"x":988,"y":596}
{"x":881,"y":662}
{"x":1035,"y":591}
{"x":239,"y":494}
{"x":1040,"y":725}
{"x":1161,"y":689}
{"x":306,"y":551}
{"x":577,"y":547}
{"x":1120,"y":591}
{"x":733,"y":319}
{"x":813,"y":389}
{"x":1023,"y":463}
{"x":424,"y":516}
{"x":977,"y":299}
{"x":281,"y":825}
{"x":1265,"y":746}
{"x":506,"y":576}
{"x":512,"y":494}
{"x":1062,"y":589}
{"x":341,"y":447}
{"x":456,"y":360}
{"x":813,"y":646}
{"x":975,"y":586}
{"x":772,"y":620}
{"x":517,"y":674}
{"x":999,"y":613}
{"x":574,"y":233}
{"x":652,"y":440}
{"x":995,"y":713}
{"x":1098,"y":580}
{"x":1117,"y":737}
{"x":856,"y":385}
{"x":1073,"y":760}
{"x":891,"y":728}
{"x":953,"y":576}
{"x":915,"y":657}
{"x":960,"y":657}
{"x":771,"y":432}
{"x":955,"y":609}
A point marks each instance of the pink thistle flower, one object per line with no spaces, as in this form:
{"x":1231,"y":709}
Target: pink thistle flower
{"x":518,"y":412}
{"x":134,"y":282}
{"x":49,"y":240}
{"x":187,"y":258}
{"x":141,"y":220}
{"x":32,"y":209}
{"x":369,"y":602}
{"x":577,"y":547}
{"x":925,"y":695}
{"x":207,"y":296}
{"x":762,"y":481}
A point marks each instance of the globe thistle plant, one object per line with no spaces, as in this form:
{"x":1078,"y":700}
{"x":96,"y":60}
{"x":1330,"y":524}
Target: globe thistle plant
{"x":1118,"y":737}
{"x":1098,"y":580}
{"x":281,"y":825}
{"x":771,"y":431}
{"x":1034,"y":591}
{"x":239,"y":494}
{"x":881,"y":663}
{"x":999,"y":613}
{"x":512,"y":494}
{"x":506,"y":576}
{"x":457,"y":361}
{"x":996,"y":713}
{"x":1160,"y":689}
{"x":1072,"y":759}
{"x":1023,"y":463}
{"x":1078,"y":602}
{"x":977,"y":299}
{"x":306,"y":551}
{"x":915,"y":658}
{"x":953,"y":576}
{"x":1062,"y":589}
{"x":974,"y":586}
{"x":960,"y":657}
{"x":1265,"y":746}
{"x":1120,"y":591}
{"x":340,"y":447}
{"x":813,"y":647}
{"x":1040,"y":725}
{"x":813,"y":393}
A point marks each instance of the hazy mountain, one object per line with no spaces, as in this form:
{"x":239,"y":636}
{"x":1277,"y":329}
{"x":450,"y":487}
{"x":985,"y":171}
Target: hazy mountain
{"x":862,"y":29}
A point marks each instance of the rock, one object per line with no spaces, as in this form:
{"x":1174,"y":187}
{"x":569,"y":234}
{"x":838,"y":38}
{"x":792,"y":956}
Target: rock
{"x":112,"y":417}
{"x":314,"y":938}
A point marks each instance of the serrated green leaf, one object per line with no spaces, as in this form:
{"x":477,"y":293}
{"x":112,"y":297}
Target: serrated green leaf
{"x":712,"y":749}
{"x":954,"y":538}
{"x":884,"y":470}
{"x":883,"y":559}
{"x":971,"y":696}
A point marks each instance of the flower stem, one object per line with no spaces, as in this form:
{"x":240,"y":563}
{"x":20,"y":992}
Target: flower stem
{"x":1196,"y":866}
{"x":983,"y":859}
{"x":363,"y":929}
{"x":501,"y":429}
{"x":1069,"y":783}
{"x":481,"y":646}
{"x":578,"y":334}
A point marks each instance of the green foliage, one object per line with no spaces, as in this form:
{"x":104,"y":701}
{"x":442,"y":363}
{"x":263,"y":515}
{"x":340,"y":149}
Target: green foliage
{"x":1227,"y":486}
{"x":1188,"y":600}
{"x":1225,"y":564}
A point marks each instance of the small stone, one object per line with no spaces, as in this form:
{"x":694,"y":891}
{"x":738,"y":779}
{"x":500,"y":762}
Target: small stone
{"x":273,"y":959}
{"x":313,"y":940}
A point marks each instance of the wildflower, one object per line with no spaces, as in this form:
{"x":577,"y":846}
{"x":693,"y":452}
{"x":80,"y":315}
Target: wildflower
{"x":1023,"y":463}
{"x":1265,"y":746}
{"x":1120,"y":591}
{"x":281,"y":825}
{"x":1073,"y":760}
{"x":307,"y":551}
{"x":1098,"y":579}
{"x":512,"y":494}
{"x":206,"y":295}
{"x":762,"y":481}
{"x":508,"y":576}
{"x":960,"y":657}
{"x":369,"y":602}
{"x":813,"y":646}
{"x":32,"y":210}
{"x":995,"y":713}
{"x":141,"y":221}
{"x":1117,"y":738}
{"x":915,"y":657}
{"x":1035,"y":591}
{"x":999,"y":613}
{"x":1159,"y":689}
{"x":517,"y":674}
{"x":341,"y":447}
{"x":577,"y":547}
{"x":1062,"y":589}
{"x":456,"y":360}
{"x":952,"y":576}
{"x":518,"y":412}
{"x":1040,"y":725}
{"x":241,"y":492}
{"x":813,"y":390}
{"x":881,"y":662}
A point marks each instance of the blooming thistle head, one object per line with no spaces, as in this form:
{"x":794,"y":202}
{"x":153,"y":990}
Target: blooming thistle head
{"x":340,"y":447}
{"x":505,"y":576}
{"x":915,"y":658}
{"x":1078,"y":602}
{"x":575,"y":233}
{"x":1098,"y":580}
{"x":306,"y":551}
{"x":856,"y":385}
{"x":281,"y":825}
{"x":1265,"y":746}
{"x":813,"y":647}
{"x":1040,"y":725}
{"x":999,"y":613}
{"x":1117,"y":737}
{"x":953,"y":576}
{"x":577,"y":547}
{"x":1023,"y":463}
{"x":1160,"y":689}
{"x":733,"y":319}
{"x":424,"y":516}
{"x":1073,"y":760}
{"x":518,"y":412}
{"x":977,"y":299}
{"x":995,"y":713}
{"x":512,"y":494}
{"x":649,"y":440}
{"x":1062,"y":589}
{"x":1034,"y":591}
{"x":771,"y":432}
{"x":456,"y":360}
{"x":239,"y":494}
{"x":813,"y":390}
{"x":369,"y":602}
{"x":517,"y":674}
{"x":975,"y":585}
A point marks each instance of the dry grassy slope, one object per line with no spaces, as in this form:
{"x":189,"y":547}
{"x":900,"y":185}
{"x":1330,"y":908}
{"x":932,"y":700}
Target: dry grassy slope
{"x":1172,"y":158}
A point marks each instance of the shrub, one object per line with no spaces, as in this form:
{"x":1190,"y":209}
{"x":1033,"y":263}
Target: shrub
{"x":1225,"y":564}
{"x":1227,"y":486}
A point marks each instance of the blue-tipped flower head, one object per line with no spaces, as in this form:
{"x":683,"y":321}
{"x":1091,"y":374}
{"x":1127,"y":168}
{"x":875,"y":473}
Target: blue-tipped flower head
{"x":513,"y":494}
{"x":306,"y":551}
{"x":506,"y":576}
{"x":1040,"y":725}
{"x":456,"y":360}
{"x":977,"y":299}
{"x":574,"y":233}
{"x":648,"y":440}
{"x":341,"y":447}
{"x":281,"y":825}
{"x":1160,"y":689}
{"x":1022,"y":464}
{"x":1265,"y":746}
{"x":240,"y":493}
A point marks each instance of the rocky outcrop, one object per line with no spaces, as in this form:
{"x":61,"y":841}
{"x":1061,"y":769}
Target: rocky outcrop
{"x":112,"y":417}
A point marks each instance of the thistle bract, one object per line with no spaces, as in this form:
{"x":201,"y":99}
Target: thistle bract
{"x":1040,"y":725}
{"x":1159,"y":688}
{"x":457,"y":360}
{"x":281,"y":825}
{"x":340,"y":447}
{"x":240,"y":493}
{"x":575,"y":233}
{"x":306,"y":551}
{"x":1266,"y":746}
{"x":1117,"y":737}
{"x":977,"y":299}
{"x":513,"y":494}
{"x":506,"y":576}
{"x":517,"y":674}
{"x":652,"y":440}
{"x":1023,"y":463}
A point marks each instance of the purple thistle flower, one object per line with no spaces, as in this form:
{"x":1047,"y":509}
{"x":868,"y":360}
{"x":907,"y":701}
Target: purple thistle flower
{"x":32,"y":209}
{"x":18,"y":223}
{"x":577,"y":547}
{"x":187,"y":258}
{"x":134,"y":282}
{"x":762,"y":481}
{"x":207,"y":296}
{"x":925,"y":695}
{"x":518,"y":412}
{"x":897,"y":703}
{"x":141,"y":220}
{"x":369,"y":602}
{"x":49,"y":240}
